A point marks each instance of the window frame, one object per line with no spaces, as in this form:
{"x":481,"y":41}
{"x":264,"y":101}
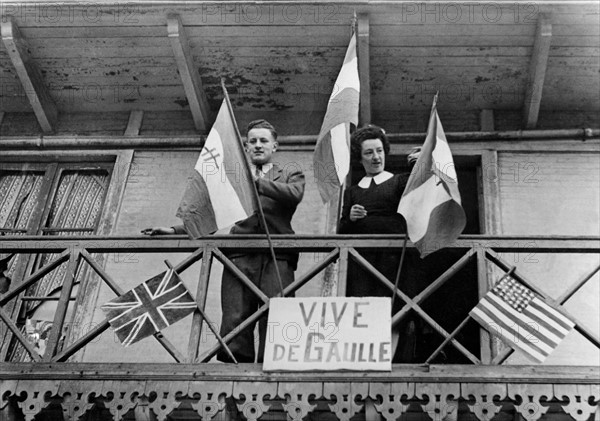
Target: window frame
{"x":121,"y":162}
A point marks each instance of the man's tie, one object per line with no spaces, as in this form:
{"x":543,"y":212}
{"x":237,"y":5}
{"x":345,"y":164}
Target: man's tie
{"x":258,"y":171}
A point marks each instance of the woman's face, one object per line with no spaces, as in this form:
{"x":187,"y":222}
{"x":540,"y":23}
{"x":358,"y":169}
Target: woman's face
{"x":372,"y":156}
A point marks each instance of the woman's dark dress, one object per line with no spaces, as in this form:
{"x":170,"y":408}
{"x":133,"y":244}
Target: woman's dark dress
{"x":381,"y":203}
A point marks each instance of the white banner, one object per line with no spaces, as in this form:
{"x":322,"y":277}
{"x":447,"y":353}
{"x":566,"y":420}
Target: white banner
{"x":329,"y":333}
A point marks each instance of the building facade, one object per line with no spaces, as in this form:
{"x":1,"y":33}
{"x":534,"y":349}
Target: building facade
{"x":105,"y":108}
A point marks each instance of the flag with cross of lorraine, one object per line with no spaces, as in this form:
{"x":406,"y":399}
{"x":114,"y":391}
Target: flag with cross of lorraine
{"x":220,"y":192}
{"x":150,"y":307}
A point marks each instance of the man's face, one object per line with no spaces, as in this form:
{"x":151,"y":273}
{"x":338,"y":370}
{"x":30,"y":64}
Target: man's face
{"x":260,"y":146}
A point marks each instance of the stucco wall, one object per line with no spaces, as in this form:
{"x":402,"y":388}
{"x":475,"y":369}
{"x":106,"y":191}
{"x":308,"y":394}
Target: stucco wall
{"x":154,"y":188}
{"x":555,"y":194}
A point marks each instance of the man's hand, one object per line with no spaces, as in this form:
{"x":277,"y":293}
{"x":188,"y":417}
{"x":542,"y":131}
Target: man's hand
{"x":158,"y":231}
{"x":357,"y":212}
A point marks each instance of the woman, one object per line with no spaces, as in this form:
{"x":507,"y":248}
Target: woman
{"x":371,"y":207}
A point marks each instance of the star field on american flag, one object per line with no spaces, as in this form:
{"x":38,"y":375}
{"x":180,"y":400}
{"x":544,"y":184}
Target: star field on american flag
{"x":149,"y":307}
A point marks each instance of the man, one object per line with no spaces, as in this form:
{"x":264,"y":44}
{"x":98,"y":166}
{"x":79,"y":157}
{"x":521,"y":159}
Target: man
{"x":280,"y":190}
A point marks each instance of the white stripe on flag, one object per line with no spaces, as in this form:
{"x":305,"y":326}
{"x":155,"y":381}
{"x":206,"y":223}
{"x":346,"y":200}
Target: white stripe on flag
{"x":163,"y":283}
{"x":138,"y":305}
{"x":348,"y":76}
{"x":341,"y":152}
{"x":548,"y":318}
{"x":227,"y":206}
{"x":417,"y":206}
{"x":542,"y":332}
{"x":442,"y":156}
{"x":507,"y":334}
{"x":558,"y":316}
{"x":145,"y":285}
{"x":124,"y":304}
{"x":187,"y":303}
{"x":521,"y":337}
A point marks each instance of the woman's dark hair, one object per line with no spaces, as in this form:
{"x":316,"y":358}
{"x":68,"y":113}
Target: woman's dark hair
{"x":369,"y":132}
{"x":262,"y":124}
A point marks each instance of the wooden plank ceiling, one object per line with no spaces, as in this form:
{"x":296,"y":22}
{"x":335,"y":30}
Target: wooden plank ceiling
{"x":280,"y":61}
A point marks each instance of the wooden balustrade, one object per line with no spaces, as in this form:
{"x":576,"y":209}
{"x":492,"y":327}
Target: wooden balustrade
{"x":79,"y":250}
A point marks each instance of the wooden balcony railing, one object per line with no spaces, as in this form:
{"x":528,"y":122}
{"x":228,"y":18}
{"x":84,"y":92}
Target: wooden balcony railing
{"x":81,"y":251}
{"x":50,"y":387}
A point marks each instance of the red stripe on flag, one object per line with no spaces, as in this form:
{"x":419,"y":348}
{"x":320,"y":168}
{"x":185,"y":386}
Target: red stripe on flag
{"x":509,"y":333}
{"x":196,"y":210}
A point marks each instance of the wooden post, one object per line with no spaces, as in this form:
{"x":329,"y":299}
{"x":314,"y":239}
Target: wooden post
{"x":342,"y":272}
{"x":490,"y":193}
{"x":485,"y":338}
{"x":537,"y":71}
{"x":30,"y":76}
{"x":364,"y":69}
{"x":201,"y":294}
{"x":188,"y":73}
{"x":62,"y":306}
{"x":491,"y":218}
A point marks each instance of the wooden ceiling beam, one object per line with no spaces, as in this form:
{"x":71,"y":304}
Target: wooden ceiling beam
{"x":364,"y":75}
{"x":30,"y":75}
{"x":192,"y":83}
{"x":537,"y":71}
{"x":135,"y":123}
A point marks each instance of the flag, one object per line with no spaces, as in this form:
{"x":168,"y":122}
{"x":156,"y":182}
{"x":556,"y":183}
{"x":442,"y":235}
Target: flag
{"x":431,"y":201}
{"x":332,"y":154}
{"x":219,"y":193}
{"x":517,"y":315}
{"x":149,"y":307}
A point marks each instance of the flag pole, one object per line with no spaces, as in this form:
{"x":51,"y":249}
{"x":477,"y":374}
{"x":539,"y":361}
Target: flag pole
{"x":399,"y":269}
{"x":248,"y":174}
{"x":433,"y":107}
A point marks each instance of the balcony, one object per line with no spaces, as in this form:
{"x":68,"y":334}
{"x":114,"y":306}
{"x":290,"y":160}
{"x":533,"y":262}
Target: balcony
{"x":58,"y":383}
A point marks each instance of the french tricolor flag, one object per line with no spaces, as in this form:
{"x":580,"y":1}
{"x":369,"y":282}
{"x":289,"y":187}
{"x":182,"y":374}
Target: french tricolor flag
{"x":219,"y":193}
{"x":431,"y":201}
{"x":332,"y":153}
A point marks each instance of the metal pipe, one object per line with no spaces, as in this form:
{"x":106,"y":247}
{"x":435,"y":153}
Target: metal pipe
{"x":144,"y":142}
{"x":173,"y":3}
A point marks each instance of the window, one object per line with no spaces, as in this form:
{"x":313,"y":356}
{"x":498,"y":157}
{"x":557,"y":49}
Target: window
{"x":46,"y":198}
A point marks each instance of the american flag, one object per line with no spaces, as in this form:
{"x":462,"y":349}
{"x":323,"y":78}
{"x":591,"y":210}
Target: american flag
{"x":149,"y":307}
{"x":513,"y":312}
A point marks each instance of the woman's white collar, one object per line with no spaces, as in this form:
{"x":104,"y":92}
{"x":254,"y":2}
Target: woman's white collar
{"x":365,"y":182}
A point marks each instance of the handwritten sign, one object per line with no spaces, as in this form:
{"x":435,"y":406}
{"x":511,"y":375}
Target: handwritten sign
{"x":329,"y":333}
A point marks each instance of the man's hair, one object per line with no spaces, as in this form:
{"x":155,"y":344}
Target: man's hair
{"x":262,"y":124}
{"x":369,"y":132}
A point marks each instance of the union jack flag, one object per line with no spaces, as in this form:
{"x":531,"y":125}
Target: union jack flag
{"x":149,"y":307}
